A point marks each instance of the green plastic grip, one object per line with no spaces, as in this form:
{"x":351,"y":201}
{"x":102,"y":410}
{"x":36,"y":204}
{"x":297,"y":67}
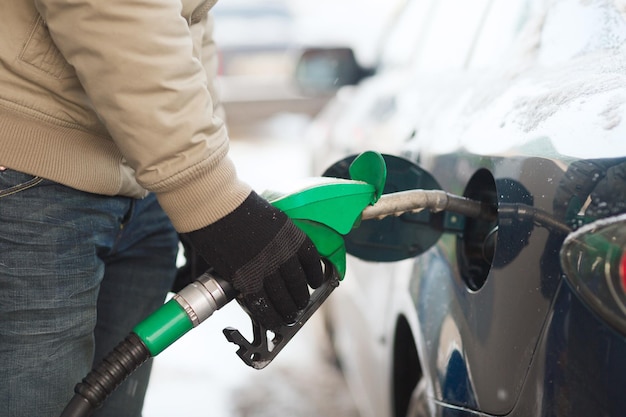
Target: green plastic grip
{"x":326,"y":209}
{"x":163,"y":327}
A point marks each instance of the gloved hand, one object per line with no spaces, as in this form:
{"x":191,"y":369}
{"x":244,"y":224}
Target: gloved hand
{"x":265,"y":257}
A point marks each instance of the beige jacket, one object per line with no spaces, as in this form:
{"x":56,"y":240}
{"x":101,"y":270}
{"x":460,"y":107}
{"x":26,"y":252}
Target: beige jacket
{"x":115,"y":97}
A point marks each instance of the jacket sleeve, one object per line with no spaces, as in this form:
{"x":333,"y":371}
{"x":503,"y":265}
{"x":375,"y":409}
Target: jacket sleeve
{"x":210,"y":61}
{"x":137,"y":63}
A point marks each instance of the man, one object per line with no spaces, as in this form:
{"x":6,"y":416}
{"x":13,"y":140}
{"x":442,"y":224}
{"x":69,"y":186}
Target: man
{"x":108,"y":113}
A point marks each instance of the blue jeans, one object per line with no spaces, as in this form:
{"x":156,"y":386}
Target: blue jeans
{"x":77,"y":272}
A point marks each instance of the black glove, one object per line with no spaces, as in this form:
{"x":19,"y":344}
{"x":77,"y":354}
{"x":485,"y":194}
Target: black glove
{"x":266,"y":258}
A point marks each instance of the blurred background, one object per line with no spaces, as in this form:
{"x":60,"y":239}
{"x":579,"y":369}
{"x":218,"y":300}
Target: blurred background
{"x":260,"y":42}
{"x":267,"y":117}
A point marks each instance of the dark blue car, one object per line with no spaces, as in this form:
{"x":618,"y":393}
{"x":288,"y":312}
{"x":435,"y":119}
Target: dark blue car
{"x":521,"y":105}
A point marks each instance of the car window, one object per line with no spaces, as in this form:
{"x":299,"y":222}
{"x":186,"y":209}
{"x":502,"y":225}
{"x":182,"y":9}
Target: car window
{"x":503,"y":24}
{"x":451,"y":29}
{"x":401,"y":42}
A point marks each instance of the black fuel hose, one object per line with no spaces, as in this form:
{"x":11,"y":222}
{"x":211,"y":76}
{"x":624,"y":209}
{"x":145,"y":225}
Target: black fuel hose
{"x":122,"y":361}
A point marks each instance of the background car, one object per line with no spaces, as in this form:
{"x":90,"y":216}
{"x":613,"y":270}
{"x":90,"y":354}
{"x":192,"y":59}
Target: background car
{"x":521,"y":105}
{"x":259,"y":42}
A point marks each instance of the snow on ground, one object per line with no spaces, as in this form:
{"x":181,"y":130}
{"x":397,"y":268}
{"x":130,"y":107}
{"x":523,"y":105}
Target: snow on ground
{"x":201,"y":375}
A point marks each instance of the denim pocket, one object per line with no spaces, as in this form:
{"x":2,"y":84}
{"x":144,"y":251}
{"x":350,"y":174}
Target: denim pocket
{"x":12,"y":182}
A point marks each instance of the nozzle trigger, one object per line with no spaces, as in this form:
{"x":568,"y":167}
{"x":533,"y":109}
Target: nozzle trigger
{"x":266,"y":344}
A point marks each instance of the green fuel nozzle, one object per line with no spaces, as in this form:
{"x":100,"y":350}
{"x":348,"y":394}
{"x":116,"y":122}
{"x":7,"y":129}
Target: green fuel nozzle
{"x":326,"y":209}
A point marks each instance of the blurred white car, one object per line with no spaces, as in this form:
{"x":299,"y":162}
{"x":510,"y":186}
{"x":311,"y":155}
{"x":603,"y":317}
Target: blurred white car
{"x":257,"y":50}
{"x":259,"y":42}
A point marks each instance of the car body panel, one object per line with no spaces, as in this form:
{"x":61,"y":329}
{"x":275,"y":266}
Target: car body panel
{"x":547,"y":125}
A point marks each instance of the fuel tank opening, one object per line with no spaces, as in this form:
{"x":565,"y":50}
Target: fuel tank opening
{"x":477,"y":244}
